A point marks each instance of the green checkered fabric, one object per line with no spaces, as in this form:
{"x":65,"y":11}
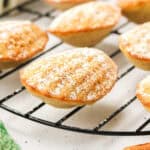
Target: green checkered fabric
{"x":6,"y":142}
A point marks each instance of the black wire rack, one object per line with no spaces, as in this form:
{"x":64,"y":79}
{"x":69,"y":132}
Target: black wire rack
{"x":59,"y":124}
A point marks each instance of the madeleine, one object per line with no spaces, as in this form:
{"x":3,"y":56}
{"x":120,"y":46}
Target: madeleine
{"x":19,"y":41}
{"x":136,"y":10}
{"x":86,"y":24}
{"x":135,"y":44}
{"x":145,"y":146}
{"x":71,"y":78}
{"x":143,"y":92}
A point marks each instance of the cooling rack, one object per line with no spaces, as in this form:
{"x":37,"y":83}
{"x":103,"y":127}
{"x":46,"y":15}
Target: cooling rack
{"x":12,"y":92}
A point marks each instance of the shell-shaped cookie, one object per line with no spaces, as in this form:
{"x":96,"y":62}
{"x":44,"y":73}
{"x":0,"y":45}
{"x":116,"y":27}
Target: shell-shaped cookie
{"x":19,"y":41}
{"x":71,"y":78}
{"x":136,"y":10}
{"x":65,"y":4}
{"x":143,"y":92}
{"x":86,"y":24}
{"x":135,"y":44}
{"x":145,"y":146}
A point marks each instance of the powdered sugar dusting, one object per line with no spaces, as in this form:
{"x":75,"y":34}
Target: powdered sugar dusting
{"x":20,"y":40}
{"x":137,"y":41}
{"x":91,"y":15}
{"x":83,"y":74}
{"x":144,"y":87}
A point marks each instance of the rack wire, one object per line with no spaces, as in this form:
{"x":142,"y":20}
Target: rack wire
{"x":97,"y":130}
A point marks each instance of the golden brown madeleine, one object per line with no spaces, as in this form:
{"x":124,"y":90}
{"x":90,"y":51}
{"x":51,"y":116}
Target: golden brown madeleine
{"x":135,"y":44}
{"x":71,"y":78}
{"x":86,"y":24}
{"x":136,"y":10}
{"x":19,"y":41}
{"x":145,"y":146}
{"x":143,"y":92}
{"x":65,"y":4}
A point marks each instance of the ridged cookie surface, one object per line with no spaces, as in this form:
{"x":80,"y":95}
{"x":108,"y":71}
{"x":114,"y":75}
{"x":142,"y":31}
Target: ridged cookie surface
{"x":20,"y":40}
{"x":136,"y":45}
{"x":76,"y":77}
{"x":87,"y":24}
{"x":92,"y":15}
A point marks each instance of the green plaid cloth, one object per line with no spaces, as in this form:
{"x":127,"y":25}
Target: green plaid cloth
{"x":6,"y":142}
